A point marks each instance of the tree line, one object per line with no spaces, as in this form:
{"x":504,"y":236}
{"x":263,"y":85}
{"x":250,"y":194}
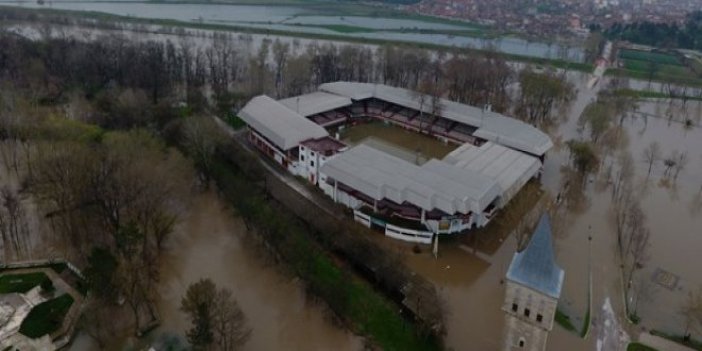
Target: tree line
{"x":225,"y":70}
{"x":665,"y":35}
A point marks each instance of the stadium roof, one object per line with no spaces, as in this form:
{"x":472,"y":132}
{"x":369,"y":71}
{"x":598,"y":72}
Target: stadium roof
{"x":535,"y":267}
{"x":436,"y":184}
{"x":491,"y":125}
{"x":282,"y":126}
{"x":510,"y":168}
{"x":314,"y":103}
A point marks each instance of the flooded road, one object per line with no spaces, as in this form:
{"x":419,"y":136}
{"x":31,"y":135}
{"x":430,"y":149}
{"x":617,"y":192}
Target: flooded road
{"x":209,"y":244}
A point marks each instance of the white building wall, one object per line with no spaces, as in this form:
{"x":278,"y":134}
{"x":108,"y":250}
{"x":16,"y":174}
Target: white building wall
{"x":310,"y":162}
{"x":536,"y":302}
{"x":528,"y":330}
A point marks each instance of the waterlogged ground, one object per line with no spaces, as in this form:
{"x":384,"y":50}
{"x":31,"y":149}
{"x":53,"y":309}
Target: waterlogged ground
{"x":308,"y":21}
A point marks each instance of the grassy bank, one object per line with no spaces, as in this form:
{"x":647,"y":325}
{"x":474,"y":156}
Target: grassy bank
{"x":558,"y":63}
{"x":648,"y":94}
{"x":689,"y":80}
{"x":564,"y":321}
{"x":691,"y":343}
{"x":635,"y":346}
{"x":362,"y":308}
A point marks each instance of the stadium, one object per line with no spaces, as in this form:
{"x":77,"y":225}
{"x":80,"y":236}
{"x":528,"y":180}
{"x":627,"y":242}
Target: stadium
{"x":423,"y":168}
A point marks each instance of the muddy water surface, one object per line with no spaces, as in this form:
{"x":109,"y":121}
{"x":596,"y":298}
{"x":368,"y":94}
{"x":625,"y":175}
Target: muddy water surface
{"x":209,"y":243}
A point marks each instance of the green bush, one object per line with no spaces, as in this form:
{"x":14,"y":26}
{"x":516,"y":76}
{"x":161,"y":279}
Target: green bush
{"x":46,"y":317}
{"x":47,"y":286}
{"x":635,"y":346}
{"x":21,"y":283}
{"x":564,"y":321}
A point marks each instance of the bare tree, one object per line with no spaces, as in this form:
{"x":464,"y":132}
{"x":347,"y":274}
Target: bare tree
{"x":218,"y":322}
{"x":680,"y":163}
{"x":13,"y":224}
{"x":669,"y":162}
{"x":540,"y":94}
{"x":651,"y":154}
{"x":280,"y":57}
{"x":691,"y":311}
{"x":229,"y":322}
{"x":201,"y":137}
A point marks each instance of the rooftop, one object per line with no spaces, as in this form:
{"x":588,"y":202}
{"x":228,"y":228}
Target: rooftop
{"x":314,"y":103}
{"x":535,"y":267}
{"x":282,"y":126}
{"x":324,"y":145}
{"x":434,"y":185}
{"x":491,"y":126}
{"x":510,"y":168}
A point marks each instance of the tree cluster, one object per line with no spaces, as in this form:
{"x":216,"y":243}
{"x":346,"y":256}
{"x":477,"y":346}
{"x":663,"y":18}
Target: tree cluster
{"x":218,"y":324}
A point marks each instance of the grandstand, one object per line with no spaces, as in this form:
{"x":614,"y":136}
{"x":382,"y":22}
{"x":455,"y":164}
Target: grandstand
{"x":496,"y":156}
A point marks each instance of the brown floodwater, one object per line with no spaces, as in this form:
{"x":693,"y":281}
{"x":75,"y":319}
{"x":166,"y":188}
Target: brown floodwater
{"x":471,"y":284}
{"x":209,"y":243}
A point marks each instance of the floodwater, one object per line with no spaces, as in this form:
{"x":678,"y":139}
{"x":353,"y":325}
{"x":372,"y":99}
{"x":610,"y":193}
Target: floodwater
{"x":471,"y":283}
{"x":301,"y":20}
{"x":210,"y":243}
{"x":407,"y":143}
{"x":672,"y":208}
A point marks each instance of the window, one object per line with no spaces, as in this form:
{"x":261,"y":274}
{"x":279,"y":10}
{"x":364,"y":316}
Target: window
{"x":302,"y":157}
{"x":312,"y":163}
{"x":521,"y":343}
{"x":514,"y":307}
{"x":527,"y":312}
{"x":539,"y":318}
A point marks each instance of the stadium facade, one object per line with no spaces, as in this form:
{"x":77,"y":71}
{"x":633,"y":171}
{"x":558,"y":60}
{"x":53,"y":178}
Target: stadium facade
{"x":496,"y":156}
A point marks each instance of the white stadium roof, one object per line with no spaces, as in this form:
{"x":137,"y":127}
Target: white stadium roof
{"x":491,"y":126}
{"x":436,"y":184}
{"x":511,"y":169}
{"x":314,"y":103}
{"x":282,"y":126}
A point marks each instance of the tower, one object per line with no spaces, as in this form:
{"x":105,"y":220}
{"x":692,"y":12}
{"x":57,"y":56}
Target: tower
{"x":532,"y":289}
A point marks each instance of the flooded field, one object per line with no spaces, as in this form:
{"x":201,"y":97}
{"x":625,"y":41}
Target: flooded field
{"x":300,"y":19}
{"x":671,"y":207}
{"x":410,"y":142}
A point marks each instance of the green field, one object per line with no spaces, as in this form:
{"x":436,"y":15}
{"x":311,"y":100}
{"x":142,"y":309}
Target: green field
{"x":661,"y":69}
{"x":657,"y":57}
{"x":46,"y":317}
{"x":665,"y":67}
{"x":20,"y":283}
{"x":635,"y":346}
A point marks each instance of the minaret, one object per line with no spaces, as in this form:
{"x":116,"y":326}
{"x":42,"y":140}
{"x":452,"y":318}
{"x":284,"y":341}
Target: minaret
{"x":532,"y":289}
